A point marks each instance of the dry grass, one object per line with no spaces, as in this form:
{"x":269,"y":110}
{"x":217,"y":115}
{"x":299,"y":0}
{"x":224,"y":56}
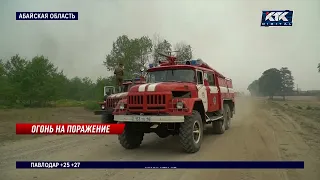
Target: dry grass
{"x":306,"y":106}
{"x":44,"y":115}
{"x":303,"y":106}
{"x":304,"y":113}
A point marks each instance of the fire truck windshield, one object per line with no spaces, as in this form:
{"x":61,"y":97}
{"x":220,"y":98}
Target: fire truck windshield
{"x":126,"y":87}
{"x":172,"y":75}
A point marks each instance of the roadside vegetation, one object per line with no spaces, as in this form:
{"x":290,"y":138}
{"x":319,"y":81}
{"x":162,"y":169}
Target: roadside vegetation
{"x":37,"y":82}
{"x":278,"y":82}
{"x":278,"y":85}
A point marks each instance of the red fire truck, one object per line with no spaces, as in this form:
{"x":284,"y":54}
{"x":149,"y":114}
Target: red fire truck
{"x":111,"y":99}
{"x":179,"y":98}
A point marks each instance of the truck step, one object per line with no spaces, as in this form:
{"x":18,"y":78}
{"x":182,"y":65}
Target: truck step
{"x":213,"y":118}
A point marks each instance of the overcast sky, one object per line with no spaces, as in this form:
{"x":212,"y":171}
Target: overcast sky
{"x":224,"y":33}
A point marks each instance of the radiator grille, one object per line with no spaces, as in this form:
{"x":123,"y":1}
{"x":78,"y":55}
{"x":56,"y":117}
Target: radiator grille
{"x":111,"y":103}
{"x":156,"y":99}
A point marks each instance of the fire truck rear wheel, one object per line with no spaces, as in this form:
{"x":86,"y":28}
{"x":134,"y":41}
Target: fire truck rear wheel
{"x":191,"y":132}
{"x":227,"y":116}
{"x":130,"y":138}
{"x":220,"y":126}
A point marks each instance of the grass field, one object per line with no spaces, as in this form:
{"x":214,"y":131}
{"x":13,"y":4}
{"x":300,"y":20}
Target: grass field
{"x":305,"y":111}
{"x":90,"y":105}
{"x":305,"y":107}
{"x":63,"y":111}
{"x":44,"y":115}
{"x":261,"y":130}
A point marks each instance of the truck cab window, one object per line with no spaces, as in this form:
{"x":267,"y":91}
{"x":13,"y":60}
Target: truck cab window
{"x":125,"y":87}
{"x":171,"y":75}
{"x":199,"y":77}
{"x":211,"y":79}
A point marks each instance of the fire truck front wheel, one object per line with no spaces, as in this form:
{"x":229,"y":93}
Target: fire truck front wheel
{"x":107,"y":118}
{"x":191,"y":132}
{"x":130,"y":138}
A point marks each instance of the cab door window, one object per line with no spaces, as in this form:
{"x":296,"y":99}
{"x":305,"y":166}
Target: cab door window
{"x":211,"y":79}
{"x":199,"y":77}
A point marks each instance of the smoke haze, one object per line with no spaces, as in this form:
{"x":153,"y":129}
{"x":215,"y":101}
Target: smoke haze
{"x":224,"y":33}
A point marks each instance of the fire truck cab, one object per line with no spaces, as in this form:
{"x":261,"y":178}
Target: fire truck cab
{"x":111,"y":99}
{"x":179,"y":98}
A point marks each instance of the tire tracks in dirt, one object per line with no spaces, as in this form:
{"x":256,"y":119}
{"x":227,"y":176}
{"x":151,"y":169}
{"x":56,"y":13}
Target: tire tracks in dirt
{"x":254,"y":135}
{"x":293,"y":146}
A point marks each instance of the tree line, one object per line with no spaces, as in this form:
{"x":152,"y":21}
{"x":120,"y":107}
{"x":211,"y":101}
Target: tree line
{"x":135,"y":53}
{"x":273,"y":82}
{"x":37,"y":82}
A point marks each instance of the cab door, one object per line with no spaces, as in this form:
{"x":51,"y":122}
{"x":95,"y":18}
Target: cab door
{"x":202,"y":91}
{"x":213,"y":93}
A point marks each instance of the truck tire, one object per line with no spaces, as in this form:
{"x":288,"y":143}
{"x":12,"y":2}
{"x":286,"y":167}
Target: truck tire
{"x":162,"y":131}
{"x":163,"y":134}
{"x":107,"y":118}
{"x":219,"y":126}
{"x":227,"y":116}
{"x":191,"y":132}
{"x":130,"y":138}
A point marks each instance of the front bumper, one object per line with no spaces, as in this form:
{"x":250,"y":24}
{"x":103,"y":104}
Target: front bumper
{"x":152,"y":119}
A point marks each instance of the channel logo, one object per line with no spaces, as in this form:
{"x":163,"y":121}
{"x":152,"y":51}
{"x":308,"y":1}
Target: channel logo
{"x":277,"y":18}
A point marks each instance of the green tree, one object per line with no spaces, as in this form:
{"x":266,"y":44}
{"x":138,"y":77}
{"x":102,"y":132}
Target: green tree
{"x":270,"y":82}
{"x":287,"y":81}
{"x":4,"y":85}
{"x":162,"y":46}
{"x":88,"y":88}
{"x":60,"y":85}
{"x":120,"y":52}
{"x":143,"y":47}
{"x":131,"y":52}
{"x":253,"y":88}
{"x":75,"y":89}
{"x":15,"y":72}
{"x":1,"y":68}
{"x":184,"y":51}
{"x":39,"y":84}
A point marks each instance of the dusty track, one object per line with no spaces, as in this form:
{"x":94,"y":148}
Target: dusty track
{"x":256,"y":134}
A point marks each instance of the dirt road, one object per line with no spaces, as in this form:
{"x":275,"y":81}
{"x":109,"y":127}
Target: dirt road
{"x":256,"y":134}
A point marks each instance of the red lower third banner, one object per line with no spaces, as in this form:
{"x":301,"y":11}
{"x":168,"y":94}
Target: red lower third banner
{"x":69,"y":128}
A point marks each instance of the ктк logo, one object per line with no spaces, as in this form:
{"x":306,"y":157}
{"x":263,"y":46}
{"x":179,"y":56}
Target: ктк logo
{"x":277,"y":18}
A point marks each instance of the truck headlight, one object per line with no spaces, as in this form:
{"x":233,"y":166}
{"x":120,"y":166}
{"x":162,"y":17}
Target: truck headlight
{"x":179,"y":105}
{"x":103,"y":107}
{"x":121,"y":106}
